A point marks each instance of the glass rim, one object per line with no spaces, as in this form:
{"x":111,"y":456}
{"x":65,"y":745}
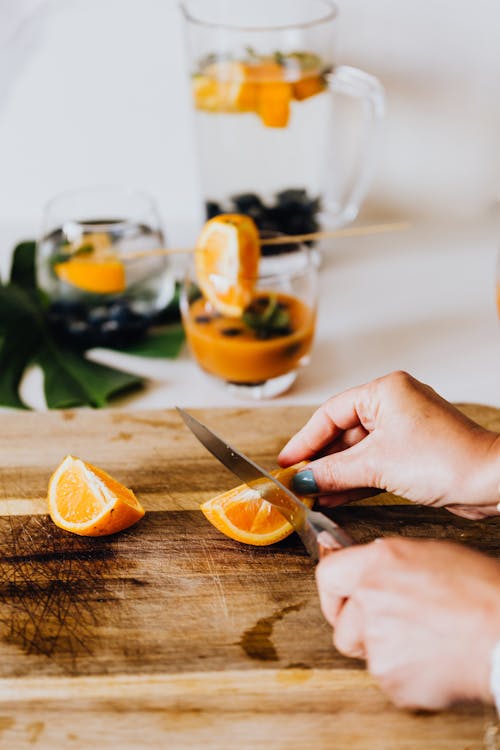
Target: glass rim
{"x":267,"y":277}
{"x":147,"y":208}
{"x":331,"y":12}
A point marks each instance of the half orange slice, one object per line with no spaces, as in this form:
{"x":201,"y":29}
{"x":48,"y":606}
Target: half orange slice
{"x":243,"y":515}
{"x":87,"y":501}
{"x":91,"y":275}
{"x":97,"y":270}
{"x":227,"y":262}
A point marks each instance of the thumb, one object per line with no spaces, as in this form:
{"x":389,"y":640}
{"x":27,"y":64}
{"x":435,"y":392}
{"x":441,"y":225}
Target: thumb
{"x":345,"y":470}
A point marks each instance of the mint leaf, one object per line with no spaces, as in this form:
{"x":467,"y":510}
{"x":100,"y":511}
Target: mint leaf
{"x":267,"y":317}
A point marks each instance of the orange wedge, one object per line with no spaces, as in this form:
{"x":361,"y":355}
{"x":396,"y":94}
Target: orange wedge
{"x":87,"y":501}
{"x":91,"y":274}
{"x":227,"y":262}
{"x":243,"y":515}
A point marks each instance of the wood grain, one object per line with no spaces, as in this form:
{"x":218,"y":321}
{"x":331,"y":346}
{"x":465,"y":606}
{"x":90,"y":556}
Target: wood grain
{"x":171,"y":635}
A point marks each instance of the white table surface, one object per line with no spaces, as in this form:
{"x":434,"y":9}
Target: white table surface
{"x":422,"y":300}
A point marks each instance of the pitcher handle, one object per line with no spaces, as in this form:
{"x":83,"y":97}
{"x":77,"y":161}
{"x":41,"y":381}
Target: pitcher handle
{"x":357,"y":84}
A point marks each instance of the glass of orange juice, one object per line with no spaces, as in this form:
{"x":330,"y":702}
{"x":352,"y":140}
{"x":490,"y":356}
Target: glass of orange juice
{"x":259,"y":354}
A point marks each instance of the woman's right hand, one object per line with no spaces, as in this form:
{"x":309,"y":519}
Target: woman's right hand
{"x":396,"y":434}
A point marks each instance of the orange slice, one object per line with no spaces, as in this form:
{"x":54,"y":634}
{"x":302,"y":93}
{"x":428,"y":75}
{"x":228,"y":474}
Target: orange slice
{"x":87,"y":501}
{"x":274,"y":94}
{"x":227,"y":262}
{"x":273,"y":106}
{"x":91,"y":274}
{"x":308,"y":86}
{"x":243,"y":515}
{"x":224,"y":87}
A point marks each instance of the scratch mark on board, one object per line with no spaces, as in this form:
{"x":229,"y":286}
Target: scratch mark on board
{"x":46,"y":576}
{"x":212,"y":568}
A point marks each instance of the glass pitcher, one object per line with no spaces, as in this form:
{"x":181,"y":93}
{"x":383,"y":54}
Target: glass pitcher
{"x":283,"y":134}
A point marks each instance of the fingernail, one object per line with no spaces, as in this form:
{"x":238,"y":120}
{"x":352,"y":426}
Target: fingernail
{"x":303,"y":483}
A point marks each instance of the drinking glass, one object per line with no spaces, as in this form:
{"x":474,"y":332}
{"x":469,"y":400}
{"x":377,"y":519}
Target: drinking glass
{"x":255,"y":359}
{"x":283,"y":135}
{"x":93,"y":264}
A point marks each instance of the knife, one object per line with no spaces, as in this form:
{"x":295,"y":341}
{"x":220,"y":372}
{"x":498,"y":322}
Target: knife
{"x":319,"y":534}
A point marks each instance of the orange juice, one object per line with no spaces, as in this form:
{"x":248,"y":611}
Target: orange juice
{"x":230,"y":349}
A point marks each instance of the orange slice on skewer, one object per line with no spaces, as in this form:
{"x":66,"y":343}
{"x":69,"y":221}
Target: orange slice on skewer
{"x":244,"y":516}
{"x":87,"y":501}
{"x":227,"y":262}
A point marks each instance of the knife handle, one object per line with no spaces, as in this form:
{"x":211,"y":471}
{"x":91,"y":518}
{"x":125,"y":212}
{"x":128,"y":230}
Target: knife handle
{"x":328,"y":544}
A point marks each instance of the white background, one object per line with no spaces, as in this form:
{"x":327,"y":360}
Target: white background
{"x":96,"y":91}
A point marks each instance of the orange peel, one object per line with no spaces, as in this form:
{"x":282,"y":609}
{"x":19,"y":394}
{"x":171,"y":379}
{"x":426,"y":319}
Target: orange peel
{"x":227,"y":258}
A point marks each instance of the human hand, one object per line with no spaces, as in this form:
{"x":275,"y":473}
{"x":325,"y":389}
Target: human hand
{"x":396,"y":434}
{"x":424,"y":614}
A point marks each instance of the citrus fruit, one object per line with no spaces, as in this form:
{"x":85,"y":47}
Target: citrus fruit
{"x":91,"y":274}
{"x":87,"y":501}
{"x":308,"y":86}
{"x":92,"y":266}
{"x":224,"y":87}
{"x":243,"y":515}
{"x":274,"y":93}
{"x":273,"y":106}
{"x":227,"y":262}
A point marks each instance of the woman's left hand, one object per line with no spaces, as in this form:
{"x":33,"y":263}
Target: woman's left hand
{"x":424,"y":614}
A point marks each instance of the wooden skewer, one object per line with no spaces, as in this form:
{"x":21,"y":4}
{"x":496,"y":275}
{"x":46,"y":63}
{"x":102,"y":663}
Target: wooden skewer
{"x":347,"y":232}
{"x":285,"y":239}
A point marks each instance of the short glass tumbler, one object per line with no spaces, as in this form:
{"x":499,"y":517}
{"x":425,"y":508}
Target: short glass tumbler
{"x":94,"y":262}
{"x":259,"y":355}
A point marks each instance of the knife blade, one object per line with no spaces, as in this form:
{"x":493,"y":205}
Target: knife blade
{"x":318,"y":533}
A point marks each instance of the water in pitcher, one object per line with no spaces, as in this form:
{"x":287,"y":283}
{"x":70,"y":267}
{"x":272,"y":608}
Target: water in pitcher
{"x":264,"y":125}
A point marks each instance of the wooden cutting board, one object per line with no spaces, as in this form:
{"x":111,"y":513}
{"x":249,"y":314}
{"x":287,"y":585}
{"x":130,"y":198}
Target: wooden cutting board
{"x":169,"y":634}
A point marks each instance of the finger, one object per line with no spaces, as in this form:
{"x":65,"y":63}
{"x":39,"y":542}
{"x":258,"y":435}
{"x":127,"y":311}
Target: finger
{"x":339,"y":575}
{"x":348,"y":636}
{"x":350,"y":469}
{"x":336,"y":415}
{"x":345,"y":440}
